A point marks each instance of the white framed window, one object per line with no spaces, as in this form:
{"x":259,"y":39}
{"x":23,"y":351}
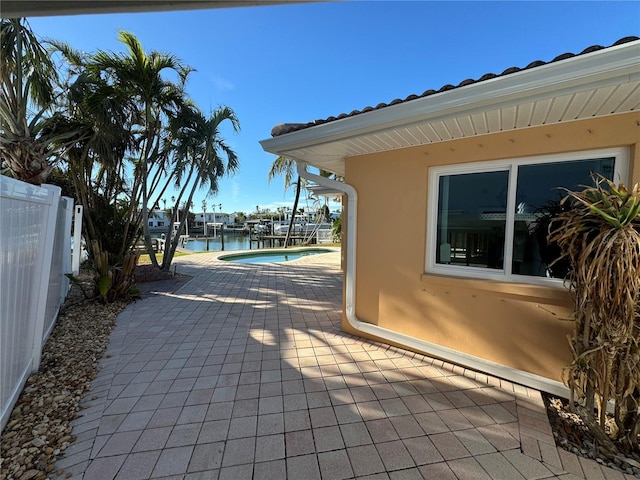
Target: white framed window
{"x":481,"y":216}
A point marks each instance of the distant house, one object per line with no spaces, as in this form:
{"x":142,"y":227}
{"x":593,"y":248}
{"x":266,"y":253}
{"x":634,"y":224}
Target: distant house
{"x":218,"y":218}
{"x":158,"y":221}
{"x":459,"y":176}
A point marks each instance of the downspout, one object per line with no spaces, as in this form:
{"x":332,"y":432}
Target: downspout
{"x":519,"y":376}
{"x":352,"y":209}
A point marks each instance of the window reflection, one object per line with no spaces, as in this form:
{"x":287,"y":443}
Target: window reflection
{"x":472,"y":215}
{"x":471,"y":219}
{"x":538,"y":194}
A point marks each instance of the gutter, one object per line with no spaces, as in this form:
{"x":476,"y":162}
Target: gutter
{"x":610,"y":66}
{"x":431,"y":349}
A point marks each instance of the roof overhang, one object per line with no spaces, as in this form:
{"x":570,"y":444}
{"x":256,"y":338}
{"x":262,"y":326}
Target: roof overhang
{"x":605,"y":82}
{"x":322,"y":191}
{"x":36,"y":8}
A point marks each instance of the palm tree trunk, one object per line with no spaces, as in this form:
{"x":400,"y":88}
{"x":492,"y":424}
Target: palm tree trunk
{"x":173,"y":240}
{"x":293,"y":215}
{"x":145,"y":191}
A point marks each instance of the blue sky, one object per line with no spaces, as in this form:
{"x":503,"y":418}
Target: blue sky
{"x":300,"y":62}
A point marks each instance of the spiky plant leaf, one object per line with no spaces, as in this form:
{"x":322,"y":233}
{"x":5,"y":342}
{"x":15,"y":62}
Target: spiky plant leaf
{"x":600,"y":235}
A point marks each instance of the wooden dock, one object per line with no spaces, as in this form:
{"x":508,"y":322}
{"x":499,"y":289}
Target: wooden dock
{"x":278,"y":240}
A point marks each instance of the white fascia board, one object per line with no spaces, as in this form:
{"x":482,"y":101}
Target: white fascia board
{"x":613,"y":65}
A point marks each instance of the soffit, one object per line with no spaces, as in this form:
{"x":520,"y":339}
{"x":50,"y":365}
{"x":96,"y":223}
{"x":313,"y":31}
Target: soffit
{"x":37,"y":8}
{"x":599,"y":83}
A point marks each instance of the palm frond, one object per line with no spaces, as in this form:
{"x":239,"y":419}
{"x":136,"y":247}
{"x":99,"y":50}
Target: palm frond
{"x":282,"y":166}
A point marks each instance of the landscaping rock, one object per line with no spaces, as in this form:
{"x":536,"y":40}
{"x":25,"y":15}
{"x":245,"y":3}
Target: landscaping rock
{"x":39,"y":429}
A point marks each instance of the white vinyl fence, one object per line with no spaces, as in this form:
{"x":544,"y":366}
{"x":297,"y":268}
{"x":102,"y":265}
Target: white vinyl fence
{"x":35,"y":255}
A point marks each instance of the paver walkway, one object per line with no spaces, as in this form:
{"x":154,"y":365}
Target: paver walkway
{"x":243,"y":372}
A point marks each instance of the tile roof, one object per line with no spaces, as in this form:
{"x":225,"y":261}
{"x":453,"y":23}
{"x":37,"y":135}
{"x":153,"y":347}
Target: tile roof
{"x":284,"y":128}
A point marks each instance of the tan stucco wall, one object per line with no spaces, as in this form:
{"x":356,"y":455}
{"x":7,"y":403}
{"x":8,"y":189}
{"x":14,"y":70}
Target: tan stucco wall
{"x":517,"y":325}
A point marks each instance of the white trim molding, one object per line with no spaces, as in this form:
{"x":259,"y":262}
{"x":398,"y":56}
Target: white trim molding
{"x":510,"y":166}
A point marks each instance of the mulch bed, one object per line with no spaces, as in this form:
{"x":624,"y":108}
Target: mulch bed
{"x":571,"y":434}
{"x":149,"y":273}
{"x":39,"y":429}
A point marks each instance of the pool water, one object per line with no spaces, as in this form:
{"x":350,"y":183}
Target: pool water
{"x":272,"y":257}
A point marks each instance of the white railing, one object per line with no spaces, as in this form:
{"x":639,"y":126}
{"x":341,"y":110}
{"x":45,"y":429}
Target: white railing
{"x":324,"y":236}
{"x":35,"y":239}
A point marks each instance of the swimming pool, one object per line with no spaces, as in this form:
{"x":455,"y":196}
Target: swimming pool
{"x":272,"y":257}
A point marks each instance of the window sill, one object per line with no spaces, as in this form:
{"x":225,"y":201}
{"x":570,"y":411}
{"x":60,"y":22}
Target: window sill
{"x":555,"y":293}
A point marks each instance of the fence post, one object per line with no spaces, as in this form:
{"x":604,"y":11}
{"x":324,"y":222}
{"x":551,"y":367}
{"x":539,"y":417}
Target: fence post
{"x":77,"y":240}
{"x":45,"y":265}
{"x":66,"y":249}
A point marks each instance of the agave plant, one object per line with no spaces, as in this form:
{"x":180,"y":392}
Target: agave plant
{"x":600,"y":235}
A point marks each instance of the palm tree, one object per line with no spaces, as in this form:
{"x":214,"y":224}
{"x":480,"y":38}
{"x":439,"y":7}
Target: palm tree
{"x":284,"y":166}
{"x":31,"y":141}
{"x":156,"y":99}
{"x":204,"y":216}
{"x":199,"y":151}
{"x":154,"y":131}
{"x":103,"y":117}
{"x":121,"y":102}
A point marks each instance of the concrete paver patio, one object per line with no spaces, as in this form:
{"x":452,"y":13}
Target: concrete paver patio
{"x":244,"y":373}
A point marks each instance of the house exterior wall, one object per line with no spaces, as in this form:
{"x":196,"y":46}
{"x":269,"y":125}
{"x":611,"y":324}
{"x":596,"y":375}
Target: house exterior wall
{"x":518,"y":325}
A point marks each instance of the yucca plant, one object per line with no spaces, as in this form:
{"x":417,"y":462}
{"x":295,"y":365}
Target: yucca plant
{"x":33,"y":136}
{"x":600,"y":235}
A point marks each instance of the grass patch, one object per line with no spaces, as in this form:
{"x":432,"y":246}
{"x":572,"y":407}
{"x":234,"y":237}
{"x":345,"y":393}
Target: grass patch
{"x":146,"y":260}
